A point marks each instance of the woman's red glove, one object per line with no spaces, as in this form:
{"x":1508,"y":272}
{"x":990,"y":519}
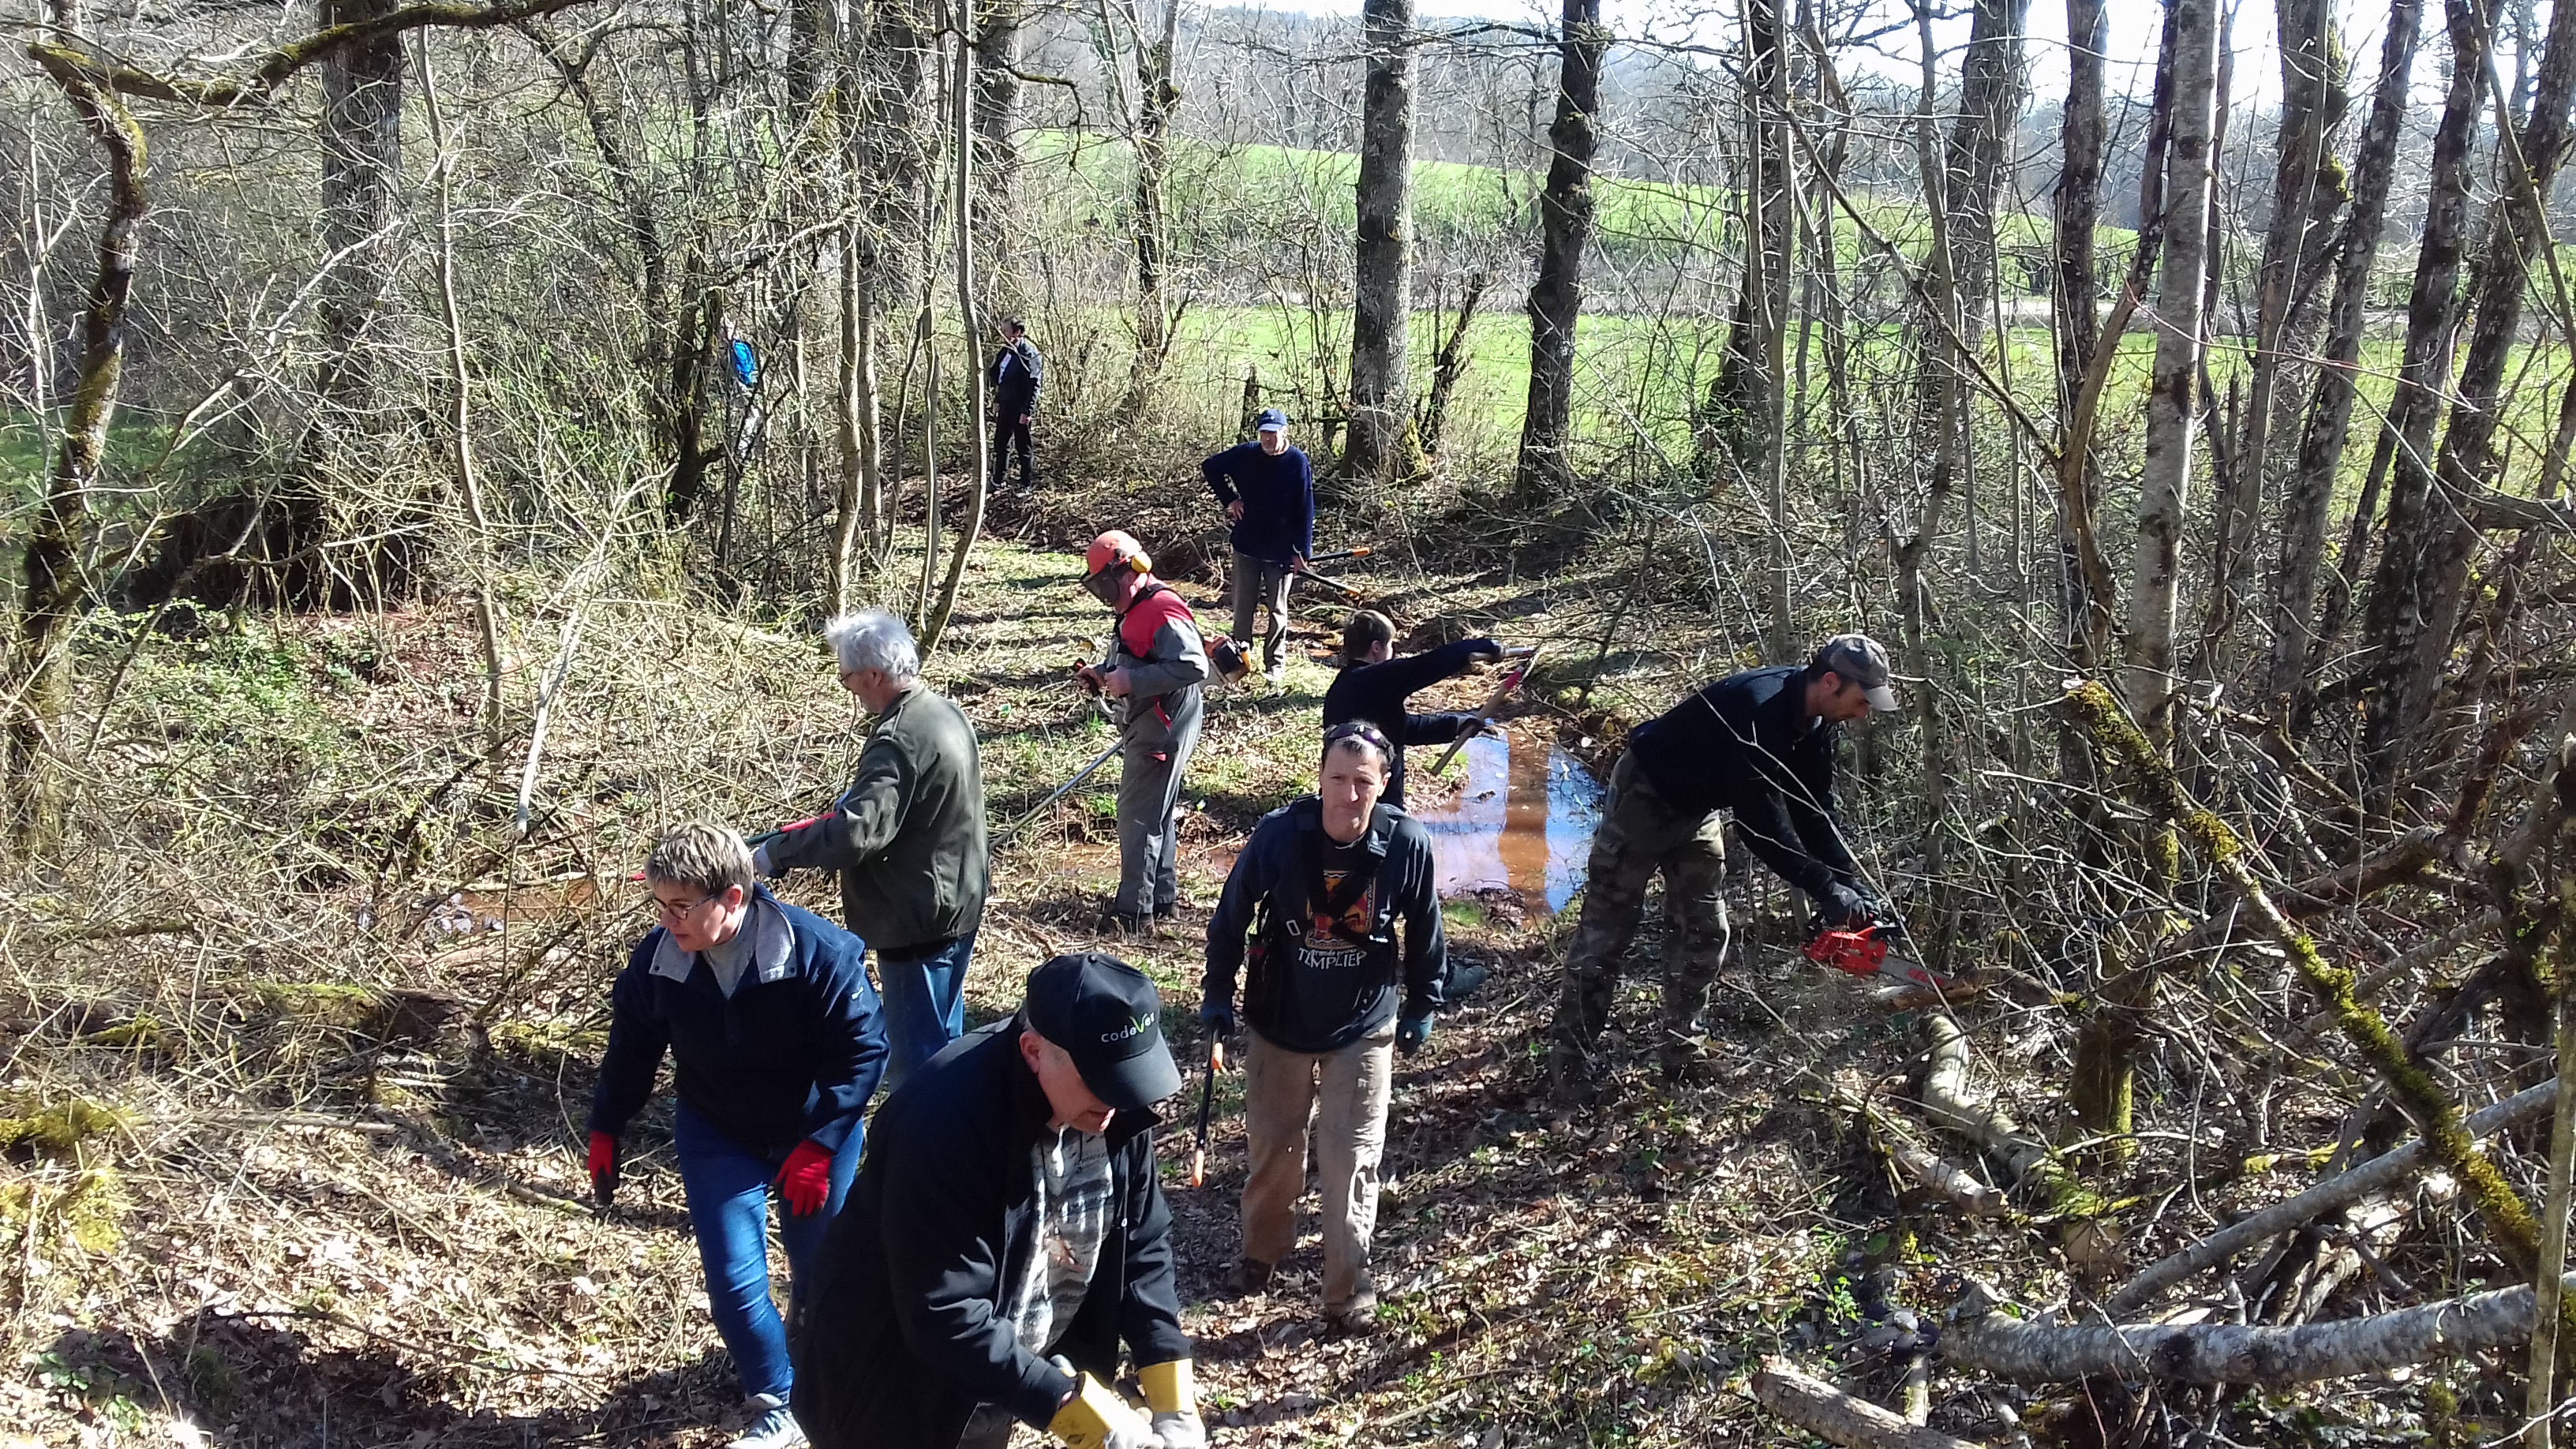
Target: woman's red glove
{"x":806,"y":1180}
{"x":603,"y":1165}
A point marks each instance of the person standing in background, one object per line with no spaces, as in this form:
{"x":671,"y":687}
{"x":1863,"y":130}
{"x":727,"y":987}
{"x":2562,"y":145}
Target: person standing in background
{"x":1268,"y":489}
{"x":1018,"y":372}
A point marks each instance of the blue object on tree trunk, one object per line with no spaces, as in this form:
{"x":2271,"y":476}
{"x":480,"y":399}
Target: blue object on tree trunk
{"x":746,"y":367}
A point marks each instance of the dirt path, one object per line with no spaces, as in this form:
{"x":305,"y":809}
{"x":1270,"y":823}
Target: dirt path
{"x":339,"y":1202}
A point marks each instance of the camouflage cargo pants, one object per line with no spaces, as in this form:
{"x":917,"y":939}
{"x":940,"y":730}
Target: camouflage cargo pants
{"x":1640,"y":834}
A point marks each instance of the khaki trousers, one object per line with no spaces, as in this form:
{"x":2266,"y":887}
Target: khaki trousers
{"x":1346,"y":1093}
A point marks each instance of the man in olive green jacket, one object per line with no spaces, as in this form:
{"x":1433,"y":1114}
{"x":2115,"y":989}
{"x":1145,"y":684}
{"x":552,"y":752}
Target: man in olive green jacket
{"x":907,"y":838}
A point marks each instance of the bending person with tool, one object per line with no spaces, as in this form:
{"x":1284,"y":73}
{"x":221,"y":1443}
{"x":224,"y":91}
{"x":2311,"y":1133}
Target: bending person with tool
{"x":1374,"y":686}
{"x":1310,"y":918}
{"x":773,"y":1035}
{"x":907,"y":838}
{"x":1268,"y":490}
{"x":1157,"y":669}
{"x":1006,"y":1233}
{"x":1759,"y":743}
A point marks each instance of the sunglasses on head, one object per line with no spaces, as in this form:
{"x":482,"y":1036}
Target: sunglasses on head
{"x":1360,"y":730}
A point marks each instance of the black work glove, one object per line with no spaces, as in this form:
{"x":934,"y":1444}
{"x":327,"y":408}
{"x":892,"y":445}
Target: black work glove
{"x":1844,"y":907}
{"x":1218,"y":1018}
{"x":1411,"y":1032}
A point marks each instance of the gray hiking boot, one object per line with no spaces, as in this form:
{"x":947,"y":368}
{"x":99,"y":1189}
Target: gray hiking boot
{"x":776,"y":1428}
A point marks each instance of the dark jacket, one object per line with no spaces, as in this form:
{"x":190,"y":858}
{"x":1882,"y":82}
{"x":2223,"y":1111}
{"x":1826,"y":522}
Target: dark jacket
{"x":1278,"y":496}
{"x":793,"y":1054}
{"x":1746,"y":743}
{"x":1303,"y":1010}
{"x":908,"y":835}
{"x":1377,"y":693}
{"x":909,"y":1325}
{"x":1017,"y":374}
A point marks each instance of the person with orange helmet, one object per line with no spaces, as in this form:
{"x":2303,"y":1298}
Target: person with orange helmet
{"x":1156,"y":668}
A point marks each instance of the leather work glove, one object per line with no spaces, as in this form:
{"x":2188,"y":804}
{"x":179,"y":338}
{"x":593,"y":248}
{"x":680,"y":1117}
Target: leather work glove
{"x":603,"y":1168}
{"x":1412,"y":1032}
{"x":806,"y":1180}
{"x":1217,"y":1017}
{"x":1097,"y":1418}
{"x":1172,"y":1398}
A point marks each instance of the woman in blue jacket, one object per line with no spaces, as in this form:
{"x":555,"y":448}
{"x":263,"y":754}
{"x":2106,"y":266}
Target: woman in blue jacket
{"x":776,"y":1044}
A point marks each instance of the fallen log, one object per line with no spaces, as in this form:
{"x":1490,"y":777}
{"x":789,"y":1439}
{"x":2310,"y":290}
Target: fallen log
{"x":2381,"y":1172}
{"x":1838,"y":1418}
{"x":2221,"y":1353}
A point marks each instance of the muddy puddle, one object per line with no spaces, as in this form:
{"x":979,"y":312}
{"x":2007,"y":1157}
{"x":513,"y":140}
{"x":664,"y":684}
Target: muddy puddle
{"x":1520,"y":818}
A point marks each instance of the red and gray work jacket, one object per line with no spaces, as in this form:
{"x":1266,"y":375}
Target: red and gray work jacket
{"x":1158,"y":647}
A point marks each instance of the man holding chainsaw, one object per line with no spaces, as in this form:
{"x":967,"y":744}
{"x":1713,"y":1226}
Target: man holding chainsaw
{"x":1268,"y":490}
{"x":1759,"y":743}
{"x":1310,"y":916}
{"x":907,"y":838}
{"x":1157,"y":669}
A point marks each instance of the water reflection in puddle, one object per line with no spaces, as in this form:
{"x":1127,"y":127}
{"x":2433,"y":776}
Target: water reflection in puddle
{"x":1522,"y":821}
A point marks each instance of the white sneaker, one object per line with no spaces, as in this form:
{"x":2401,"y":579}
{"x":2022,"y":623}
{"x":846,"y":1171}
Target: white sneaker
{"x":776,"y":1428}
{"x":1277,"y":674}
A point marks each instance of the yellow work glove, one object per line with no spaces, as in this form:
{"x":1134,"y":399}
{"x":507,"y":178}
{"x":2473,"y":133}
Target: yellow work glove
{"x":1097,"y":1418}
{"x":1174,"y":1401}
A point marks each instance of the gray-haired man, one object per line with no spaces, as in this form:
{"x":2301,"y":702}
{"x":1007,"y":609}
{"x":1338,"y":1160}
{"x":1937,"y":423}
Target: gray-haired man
{"x":1759,"y":743}
{"x":907,"y":838}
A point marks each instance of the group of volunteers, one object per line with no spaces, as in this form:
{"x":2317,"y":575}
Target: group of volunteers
{"x":981,"y":1262}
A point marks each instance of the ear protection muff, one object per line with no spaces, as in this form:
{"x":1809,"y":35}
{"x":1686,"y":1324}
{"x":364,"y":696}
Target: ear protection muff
{"x":1140,"y":563}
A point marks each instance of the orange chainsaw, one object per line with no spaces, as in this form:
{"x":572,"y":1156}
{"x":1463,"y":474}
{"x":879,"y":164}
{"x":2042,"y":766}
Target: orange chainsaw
{"x":1865,"y":951}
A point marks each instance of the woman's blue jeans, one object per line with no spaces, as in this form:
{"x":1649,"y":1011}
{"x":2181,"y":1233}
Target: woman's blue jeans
{"x":728,"y":1189}
{"x":924,"y":996}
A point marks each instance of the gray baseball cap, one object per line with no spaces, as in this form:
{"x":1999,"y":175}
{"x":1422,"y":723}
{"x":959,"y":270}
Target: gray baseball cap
{"x":1860,"y":659}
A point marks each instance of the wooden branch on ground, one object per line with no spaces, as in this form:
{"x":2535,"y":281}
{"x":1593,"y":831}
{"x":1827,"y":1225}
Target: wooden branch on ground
{"x":2222,"y":1353}
{"x":1838,"y":1418}
{"x":2509,"y":1221}
{"x":2381,"y":1172}
{"x":1950,"y":1101}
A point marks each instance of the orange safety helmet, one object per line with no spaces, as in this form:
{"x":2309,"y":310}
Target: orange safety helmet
{"x":1111,"y":549}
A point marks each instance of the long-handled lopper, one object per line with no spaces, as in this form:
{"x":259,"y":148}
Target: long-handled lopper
{"x":1207,"y":1108}
{"x":1493,"y":704}
{"x":1361,"y":551}
{"x":1061,"y":791}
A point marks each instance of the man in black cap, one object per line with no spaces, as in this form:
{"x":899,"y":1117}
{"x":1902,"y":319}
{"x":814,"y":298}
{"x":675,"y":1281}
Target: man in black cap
{"x":1268,"y":490}
{"x":1005,"y":1233}
{"x":1759,"y":743}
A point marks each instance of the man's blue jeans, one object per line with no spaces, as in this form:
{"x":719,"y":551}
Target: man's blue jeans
{"x":925,"y":1004}
{"x":728,"y":1188}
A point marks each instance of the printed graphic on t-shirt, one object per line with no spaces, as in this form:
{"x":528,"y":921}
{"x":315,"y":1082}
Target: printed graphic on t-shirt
{"x":1324,"y":951}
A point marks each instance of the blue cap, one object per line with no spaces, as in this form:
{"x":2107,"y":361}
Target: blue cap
{"x":1271,"y":421}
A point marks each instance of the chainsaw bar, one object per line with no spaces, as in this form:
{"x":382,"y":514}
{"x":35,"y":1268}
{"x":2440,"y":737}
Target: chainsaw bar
{"x":1865,"y":952}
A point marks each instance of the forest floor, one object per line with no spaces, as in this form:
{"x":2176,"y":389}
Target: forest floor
{"x":294,"y":1147}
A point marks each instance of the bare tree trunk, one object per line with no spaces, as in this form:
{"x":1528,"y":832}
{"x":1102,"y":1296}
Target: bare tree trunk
{"x":361,"y":167}
{"x":2307,"y":191}
{"x":997,"y":108}
{"x":1157,"y":98}
{"x":2422,"y":578}
{"x":2424,"y":372}
{"x":2083,"y":624}
{"x":2329,"y":416}
{"x":1776,"y":258}
{"x":487,"y":615}
{"x":1382,"y":447}
{"x":979,"y":444}
{"x":861,"y":436}
{"x":1739,"y":399}
{"x":1448,"y":364}
{"x":2173,"y":382}
{"x":54,"y":588}
{"x":1565,"y":228}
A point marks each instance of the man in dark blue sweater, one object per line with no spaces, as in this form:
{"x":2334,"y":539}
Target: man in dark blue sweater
{"x":1759,"y":743}
{"x":1268,"y":490}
